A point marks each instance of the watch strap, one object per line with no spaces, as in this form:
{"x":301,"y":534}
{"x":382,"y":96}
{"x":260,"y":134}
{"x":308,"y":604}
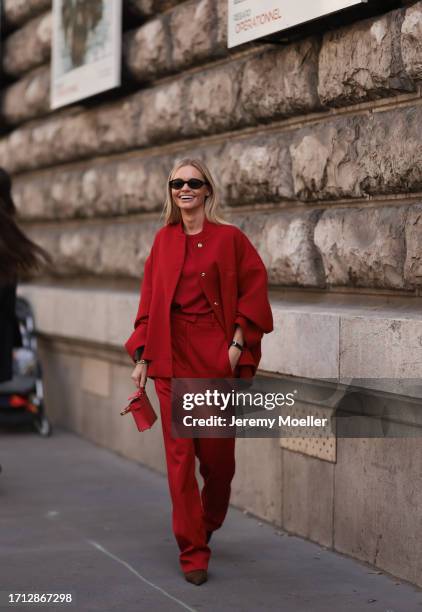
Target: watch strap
{"x":237,"y":345}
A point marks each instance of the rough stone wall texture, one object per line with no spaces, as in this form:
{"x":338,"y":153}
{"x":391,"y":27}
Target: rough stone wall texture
{"x":28,"y":47}
{"x":120,"y":249}
{"x":17,"y":12}
{"x":260,"y":116}
{"x":29,"y":97}
{"x":148,"y":8}
{"x":315,"y":145}
{"x":363,"y":62}
{"x":411,"y":41}
{"x":364,"y":247}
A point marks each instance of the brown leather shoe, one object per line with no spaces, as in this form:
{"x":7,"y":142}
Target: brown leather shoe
{"x":196,"y":577}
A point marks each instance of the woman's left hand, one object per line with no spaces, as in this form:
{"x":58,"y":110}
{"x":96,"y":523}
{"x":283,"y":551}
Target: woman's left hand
{"x":234,"y":356}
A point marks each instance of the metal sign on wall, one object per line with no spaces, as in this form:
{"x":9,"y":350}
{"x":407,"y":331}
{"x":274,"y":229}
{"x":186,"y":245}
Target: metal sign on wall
{"x":86,"y":49}
{"x":251,"y":19}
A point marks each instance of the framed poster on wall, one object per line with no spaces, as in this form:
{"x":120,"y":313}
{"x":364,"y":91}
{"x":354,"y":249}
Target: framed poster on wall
{"x":86,"y":49}
{"x":252,"y":19}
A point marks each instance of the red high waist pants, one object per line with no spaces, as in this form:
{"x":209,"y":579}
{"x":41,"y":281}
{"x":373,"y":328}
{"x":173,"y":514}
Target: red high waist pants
{"x":199,"y":350}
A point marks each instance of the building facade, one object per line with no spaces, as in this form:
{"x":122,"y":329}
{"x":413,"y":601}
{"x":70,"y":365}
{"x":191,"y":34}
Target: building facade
{"x":316,"y":147}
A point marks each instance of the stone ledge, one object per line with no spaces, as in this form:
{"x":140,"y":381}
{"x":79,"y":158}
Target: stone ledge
{"x":64,"y":313}
{"x":320,"y":340}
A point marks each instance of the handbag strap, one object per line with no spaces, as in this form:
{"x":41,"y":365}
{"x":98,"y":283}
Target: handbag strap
{"x":139,"y":393}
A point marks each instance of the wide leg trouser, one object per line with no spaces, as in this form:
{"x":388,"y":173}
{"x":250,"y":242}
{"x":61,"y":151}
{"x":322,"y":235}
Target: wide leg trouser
{"x":199,"y":351}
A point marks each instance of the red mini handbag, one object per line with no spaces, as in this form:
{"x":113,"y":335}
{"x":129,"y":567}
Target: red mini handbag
{"x":141,"y":409}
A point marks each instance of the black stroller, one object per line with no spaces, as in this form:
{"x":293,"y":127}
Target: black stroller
{"x":22,"y":398}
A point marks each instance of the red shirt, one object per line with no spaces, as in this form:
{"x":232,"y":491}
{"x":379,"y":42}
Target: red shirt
{"x":189,"y":297}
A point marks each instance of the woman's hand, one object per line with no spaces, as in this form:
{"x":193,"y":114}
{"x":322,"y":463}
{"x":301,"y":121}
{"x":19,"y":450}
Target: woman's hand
{"x":139,"y":375}
{"x":234,"y":356}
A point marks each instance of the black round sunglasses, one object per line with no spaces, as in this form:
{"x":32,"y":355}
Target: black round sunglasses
{"x":192,"y":183}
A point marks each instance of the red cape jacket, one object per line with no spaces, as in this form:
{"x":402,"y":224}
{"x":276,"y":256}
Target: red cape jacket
{"x":233,"y":279}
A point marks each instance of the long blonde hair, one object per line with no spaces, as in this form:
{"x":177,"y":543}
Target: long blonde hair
{"x":172,"y":213}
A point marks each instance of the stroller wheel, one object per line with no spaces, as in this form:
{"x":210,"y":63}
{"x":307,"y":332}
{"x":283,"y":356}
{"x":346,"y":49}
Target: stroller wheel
{"x":42,"y":425}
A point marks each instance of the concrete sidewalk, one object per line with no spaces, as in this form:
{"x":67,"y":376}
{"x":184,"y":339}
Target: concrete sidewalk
{"x":78,"y":519}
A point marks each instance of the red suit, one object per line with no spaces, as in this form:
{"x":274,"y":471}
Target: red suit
{"x":193,"y":343}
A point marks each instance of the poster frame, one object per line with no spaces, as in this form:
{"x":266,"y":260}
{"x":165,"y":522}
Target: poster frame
{"x":90,"y":78}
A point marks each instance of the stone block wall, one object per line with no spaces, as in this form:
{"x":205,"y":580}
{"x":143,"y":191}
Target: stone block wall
{"x":316,"y":148}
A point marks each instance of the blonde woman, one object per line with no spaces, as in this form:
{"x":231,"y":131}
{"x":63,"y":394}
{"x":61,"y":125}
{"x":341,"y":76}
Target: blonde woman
{"x":203,"y":310}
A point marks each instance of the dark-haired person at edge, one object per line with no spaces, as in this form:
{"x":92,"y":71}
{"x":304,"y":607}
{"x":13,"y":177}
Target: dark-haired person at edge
{"x":18,"y":255}
{"x":203,"y":310}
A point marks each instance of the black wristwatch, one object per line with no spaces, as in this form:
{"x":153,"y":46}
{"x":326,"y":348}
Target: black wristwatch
{"x":237,"y":345}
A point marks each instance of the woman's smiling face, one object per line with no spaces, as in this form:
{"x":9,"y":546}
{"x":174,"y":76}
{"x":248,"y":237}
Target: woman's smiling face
{"x":187,"y":198}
